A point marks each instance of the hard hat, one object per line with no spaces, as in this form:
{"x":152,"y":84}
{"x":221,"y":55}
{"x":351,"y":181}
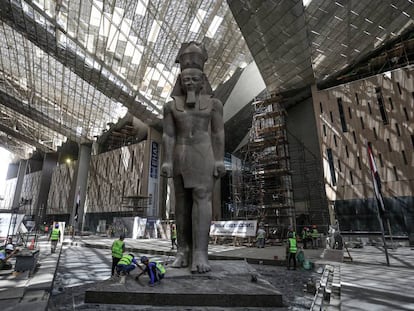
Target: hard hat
{"x":9,"y":247}
{"x":314,"y":226}
{"x":144,"y":259}
{"x":57,"y":226}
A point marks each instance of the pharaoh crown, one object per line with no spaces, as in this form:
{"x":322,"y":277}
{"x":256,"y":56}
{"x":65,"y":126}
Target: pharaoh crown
{"x":192,"y":55}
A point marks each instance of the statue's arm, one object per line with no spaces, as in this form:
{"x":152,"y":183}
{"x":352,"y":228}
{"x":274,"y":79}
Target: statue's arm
{"x":217,"y":137}
{"x":168,"y":140}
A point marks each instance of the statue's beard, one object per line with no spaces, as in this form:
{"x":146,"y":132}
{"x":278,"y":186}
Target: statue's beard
{"x":191,"y":98}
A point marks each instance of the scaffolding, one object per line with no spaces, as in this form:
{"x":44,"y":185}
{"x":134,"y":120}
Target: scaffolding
{"x":267,"y":185}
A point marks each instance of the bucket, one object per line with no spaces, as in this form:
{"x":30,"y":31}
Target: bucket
{"x":307,"y":265}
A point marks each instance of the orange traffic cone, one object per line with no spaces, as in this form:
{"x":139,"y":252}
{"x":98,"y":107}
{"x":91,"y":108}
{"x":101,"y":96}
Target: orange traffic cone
{"x":32,"y":244}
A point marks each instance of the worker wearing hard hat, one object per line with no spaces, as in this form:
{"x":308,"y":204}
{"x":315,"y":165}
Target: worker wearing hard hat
{"x":6,"y":252}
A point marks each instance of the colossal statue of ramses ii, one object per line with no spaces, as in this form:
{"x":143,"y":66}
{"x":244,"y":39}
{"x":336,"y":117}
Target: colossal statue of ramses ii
{"x":193,"y":144}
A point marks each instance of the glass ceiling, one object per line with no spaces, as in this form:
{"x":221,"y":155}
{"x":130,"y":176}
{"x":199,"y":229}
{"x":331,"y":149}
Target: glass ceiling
{"x":296,"y":43}
{"x":68,"y":68}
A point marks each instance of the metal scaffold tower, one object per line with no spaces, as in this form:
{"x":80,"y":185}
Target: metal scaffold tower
{"x":267,"y":184}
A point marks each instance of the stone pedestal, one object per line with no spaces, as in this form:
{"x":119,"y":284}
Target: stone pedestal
{"x":231,"y":283}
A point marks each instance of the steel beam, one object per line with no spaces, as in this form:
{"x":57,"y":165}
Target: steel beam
{"x":16,"y":105}
{"x":25,"y":139}
{"x":13,"y":14}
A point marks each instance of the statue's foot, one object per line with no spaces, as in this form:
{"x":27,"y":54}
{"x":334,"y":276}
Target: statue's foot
{"x":200,"y":262}
{"x":181,"y":260}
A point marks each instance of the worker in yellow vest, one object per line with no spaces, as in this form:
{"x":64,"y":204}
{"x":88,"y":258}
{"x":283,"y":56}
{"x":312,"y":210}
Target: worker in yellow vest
{"x":173,"y":236}
{"x":54,"y":238}
{"x":6,"y":252}
{"x":118,"y":249}
{"x":306,"y":237}
{"x":155,"y":270}
{"x":260,"y":237}
{"x":292,"y":249}
{"x":126,"y":264}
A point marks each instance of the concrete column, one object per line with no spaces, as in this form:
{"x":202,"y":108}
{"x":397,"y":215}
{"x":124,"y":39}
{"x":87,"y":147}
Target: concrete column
{"x":79,"y":187}
{"x":49,"y":164}
{"x":20,"y":177}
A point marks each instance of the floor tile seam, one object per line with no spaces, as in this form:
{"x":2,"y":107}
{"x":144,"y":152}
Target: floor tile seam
{"x":383,"y":267}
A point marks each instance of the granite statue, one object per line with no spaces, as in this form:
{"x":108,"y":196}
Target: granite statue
{"x":193,"y":144}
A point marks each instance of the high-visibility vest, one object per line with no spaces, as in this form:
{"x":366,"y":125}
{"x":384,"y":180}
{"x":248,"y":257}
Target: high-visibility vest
{"x":261,"y":234}
{"x":292,"y":243}
{"x":117,"y":248}
{"x":159,"y":266}
{"x":304,"y":235}
{"x":315,"y":233}
{"x":174,"y":234}
{"x":55,"y":234}
{"x":125,"y":260}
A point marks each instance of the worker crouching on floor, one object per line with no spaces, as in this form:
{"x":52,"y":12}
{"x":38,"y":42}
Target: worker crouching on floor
{"x":155,"y":270}
{"x":126,"y":264}
{"x":6,"y":252}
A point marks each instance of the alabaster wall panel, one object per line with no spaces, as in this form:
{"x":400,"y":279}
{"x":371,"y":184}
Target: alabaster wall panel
{"x":9,"y":188}
{"x":113,"y":175}
{"x":30,"y":191}
{"x":62,"y":178}
{"x":379,"y":110}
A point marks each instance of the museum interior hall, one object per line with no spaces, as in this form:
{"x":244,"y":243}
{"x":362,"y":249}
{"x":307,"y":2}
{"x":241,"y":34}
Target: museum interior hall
{"x":318,"y":110}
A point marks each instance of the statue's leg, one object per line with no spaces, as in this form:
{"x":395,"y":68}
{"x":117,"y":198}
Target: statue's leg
{"x":201,"y":219}
{"x":183,"y":202}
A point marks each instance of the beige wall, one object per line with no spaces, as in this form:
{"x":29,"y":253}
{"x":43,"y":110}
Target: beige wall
{"x":60,"y":188}
{"x":115,"y":174}
{"x":10,"y":186}
{"x":365,"y":123}
{"x":30,"y":191}
{"x":111,"y":175}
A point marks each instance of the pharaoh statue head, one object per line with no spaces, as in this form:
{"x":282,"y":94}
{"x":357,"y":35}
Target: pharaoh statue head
{"x":191,"y":57}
